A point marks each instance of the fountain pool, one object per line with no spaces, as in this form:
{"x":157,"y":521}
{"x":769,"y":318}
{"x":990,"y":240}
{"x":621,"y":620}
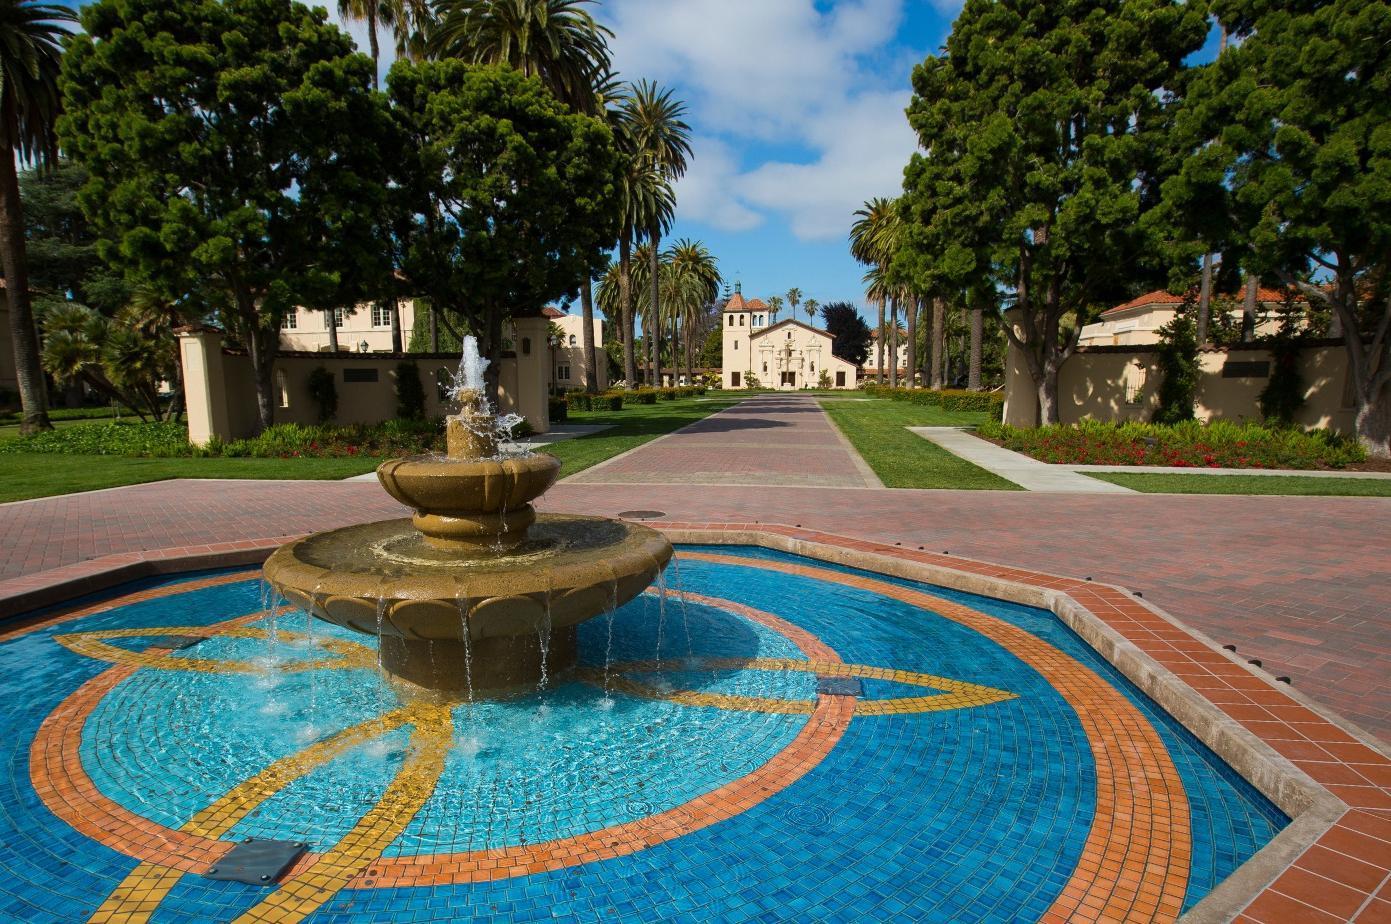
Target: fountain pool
{"x":765,"y":737}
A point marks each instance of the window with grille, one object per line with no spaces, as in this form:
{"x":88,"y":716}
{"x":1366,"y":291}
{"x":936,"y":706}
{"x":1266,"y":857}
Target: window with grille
{"x":381,"y":315}
{"x":338,"y":316}
{"x":290,"y":321}
{"x":562,"y":372}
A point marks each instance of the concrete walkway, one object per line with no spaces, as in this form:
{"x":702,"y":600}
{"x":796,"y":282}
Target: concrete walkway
{"x":1030,"y":474}
{"x":773,"y":440}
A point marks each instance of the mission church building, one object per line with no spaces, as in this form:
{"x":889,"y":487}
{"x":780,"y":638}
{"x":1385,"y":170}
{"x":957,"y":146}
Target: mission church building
{"x":786,"y":355}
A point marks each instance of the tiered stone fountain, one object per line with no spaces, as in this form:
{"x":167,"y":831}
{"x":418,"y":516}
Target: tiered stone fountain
{"x":476,"y":594}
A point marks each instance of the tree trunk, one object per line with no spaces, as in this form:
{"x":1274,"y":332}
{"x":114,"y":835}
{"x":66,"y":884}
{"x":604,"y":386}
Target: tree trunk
{"x":397,"y":344}
{"x":880,"y":342}
{"x":625,"y":295}
{"x":938,"y":322}
{"x":893,"y":342}
{"x":33,"y":395}
{"x":434,"y":329}
{"x":332,"y":316}
{"x":1248,"y":309}
{"x":1048,"y":410}
{"x":911,"y":309}
{"x":372,"y":42}
{"x":1374,"y":424}
{"x":654,"y":270}
{"x":261,"y":346}
{"x":1205,"y":300}
{"x":591,"y":358}
{"x":977,"y":336}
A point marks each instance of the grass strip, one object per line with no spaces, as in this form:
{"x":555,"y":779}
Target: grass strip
{"x":878,"y":431}
{"x":1296,"y":485}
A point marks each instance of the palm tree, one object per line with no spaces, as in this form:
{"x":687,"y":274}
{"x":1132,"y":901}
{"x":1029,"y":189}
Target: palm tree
{"x":774,"y":306}
{"x":31,"y":37}
{"x":794,"y":298}
{"x":695,"y":285}
{"x":657,"y":134}
{"x":555,"y":40}
{"x":647,"y":198}
{"x":395,"y":15}
{"x":874,"y":239}
{"x":811,"y":308}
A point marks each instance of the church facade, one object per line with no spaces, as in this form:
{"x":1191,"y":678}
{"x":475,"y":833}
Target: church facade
{"x":786,"y":355}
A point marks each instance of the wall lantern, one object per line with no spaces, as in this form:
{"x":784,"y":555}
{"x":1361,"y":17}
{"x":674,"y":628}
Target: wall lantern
{"x":363,"y":346}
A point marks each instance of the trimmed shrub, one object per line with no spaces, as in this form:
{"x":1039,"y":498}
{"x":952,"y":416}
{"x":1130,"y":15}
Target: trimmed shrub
{"x":1189,"y":444}
{"x":558,"y":410}
{"x":578,"y":400}
{"x":1178,"y":362}
{"x":1283,"y":394}
{"x":410,"y":394}
{"x":323,"y":392}
{"x":645,"y":395}
{"x":667,"y":394}
{"x":608,"y":401}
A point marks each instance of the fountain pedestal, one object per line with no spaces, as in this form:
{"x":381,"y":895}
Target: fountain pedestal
{"x":476,"y":591}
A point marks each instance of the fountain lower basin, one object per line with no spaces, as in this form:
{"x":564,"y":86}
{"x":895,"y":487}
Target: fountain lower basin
{"x":478,"y":620}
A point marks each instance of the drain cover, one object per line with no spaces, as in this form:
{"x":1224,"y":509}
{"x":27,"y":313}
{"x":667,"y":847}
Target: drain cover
{"x":256,"y":861}
{"x":642,"y":514}
{"x":839,"y":686}
{"x":176,"y":642}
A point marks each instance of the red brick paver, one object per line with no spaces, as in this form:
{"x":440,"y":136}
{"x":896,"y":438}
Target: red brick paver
{"x":776,"y":441}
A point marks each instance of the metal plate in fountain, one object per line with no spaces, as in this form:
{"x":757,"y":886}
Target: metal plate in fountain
{"x":257,"y":861}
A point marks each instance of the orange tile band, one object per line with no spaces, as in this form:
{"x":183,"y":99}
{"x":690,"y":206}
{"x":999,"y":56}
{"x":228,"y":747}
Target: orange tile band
{"x":1135,"y":863}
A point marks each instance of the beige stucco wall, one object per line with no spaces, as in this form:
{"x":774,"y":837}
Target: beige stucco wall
{"x":1141,"y":326}
{"x":310,"y":335}
{"x":1092,"y":384}
{"x":569,"y":356}
{"x":221,"y":395}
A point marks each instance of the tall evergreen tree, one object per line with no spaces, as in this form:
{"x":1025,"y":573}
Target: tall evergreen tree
{"x":1042,"y":127}
{"x":234,"y":146}
{"x":1300,"y":110}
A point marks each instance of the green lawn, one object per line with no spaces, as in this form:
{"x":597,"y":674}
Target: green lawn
{"x":1153,"y":483}
{"x":26,"y":475}
{"x":902,"y":459}
{"x":631,"y":427}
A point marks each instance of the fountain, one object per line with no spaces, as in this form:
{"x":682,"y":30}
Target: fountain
{"x":476,"y":594}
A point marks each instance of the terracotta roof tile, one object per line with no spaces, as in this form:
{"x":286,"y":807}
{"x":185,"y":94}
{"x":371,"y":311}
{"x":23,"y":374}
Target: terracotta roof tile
{"x":1160,"y":297}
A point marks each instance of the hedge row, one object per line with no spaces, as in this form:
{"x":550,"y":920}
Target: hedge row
{"x":1190,"y":444}
{"x":614,"y":400}
{"x":282,"y":441}
{"x":948,"y":399}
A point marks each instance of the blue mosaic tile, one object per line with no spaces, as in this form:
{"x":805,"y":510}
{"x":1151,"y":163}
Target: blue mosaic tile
{"x":973,"y":814}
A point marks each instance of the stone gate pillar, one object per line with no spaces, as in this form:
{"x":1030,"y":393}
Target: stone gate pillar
{"x":205,"y":385}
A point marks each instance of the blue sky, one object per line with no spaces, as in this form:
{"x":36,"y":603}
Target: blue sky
{"x":797,"y":110}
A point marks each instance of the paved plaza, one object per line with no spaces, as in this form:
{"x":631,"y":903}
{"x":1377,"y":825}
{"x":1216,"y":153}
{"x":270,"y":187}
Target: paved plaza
{"x":1299,"y":583}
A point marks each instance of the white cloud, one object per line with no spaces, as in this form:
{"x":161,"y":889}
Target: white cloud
{"x":775,"y":72}
{"x":763,"y":73}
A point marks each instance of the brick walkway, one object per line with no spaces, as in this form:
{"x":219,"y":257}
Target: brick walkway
{"x":1299,"y":582}
{"x":774,"y":440}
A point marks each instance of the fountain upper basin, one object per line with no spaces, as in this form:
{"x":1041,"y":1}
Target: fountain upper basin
{"x":488,"y":619}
